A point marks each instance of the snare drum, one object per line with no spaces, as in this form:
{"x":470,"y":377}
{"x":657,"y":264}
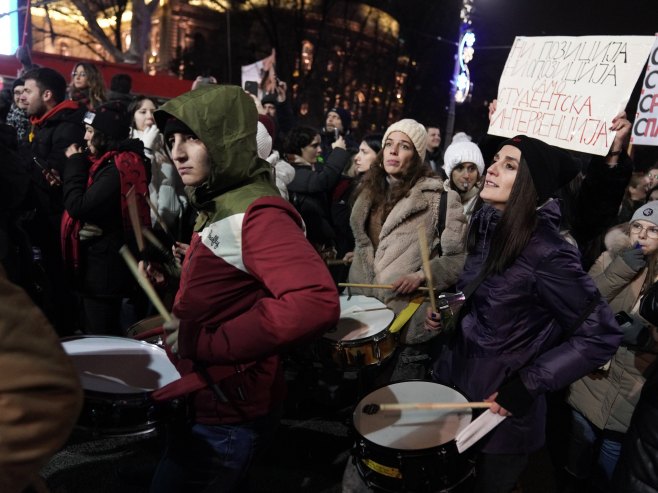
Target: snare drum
{"x":361,"y":337}
{"x":411,"y":450}
{"x":118,"y":376}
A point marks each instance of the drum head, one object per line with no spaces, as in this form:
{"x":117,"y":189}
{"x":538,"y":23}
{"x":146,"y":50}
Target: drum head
{"x":360,"y":317}
{"x":119,"y":366}
{"x":411,"y":429}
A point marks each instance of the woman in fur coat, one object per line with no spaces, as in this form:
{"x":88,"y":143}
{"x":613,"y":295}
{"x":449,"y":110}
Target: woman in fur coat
{"x":603,"y":402}
{"x":396,"y":197}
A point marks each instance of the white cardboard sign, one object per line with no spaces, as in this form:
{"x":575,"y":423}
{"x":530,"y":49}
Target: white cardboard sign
{"x":566,"y":90}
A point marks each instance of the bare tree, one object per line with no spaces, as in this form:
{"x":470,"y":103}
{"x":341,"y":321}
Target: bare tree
{"x":94,"y":10}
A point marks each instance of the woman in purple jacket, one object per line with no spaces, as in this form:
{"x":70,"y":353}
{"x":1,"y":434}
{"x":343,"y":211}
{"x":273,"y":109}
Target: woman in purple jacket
{"x":534,"y":321}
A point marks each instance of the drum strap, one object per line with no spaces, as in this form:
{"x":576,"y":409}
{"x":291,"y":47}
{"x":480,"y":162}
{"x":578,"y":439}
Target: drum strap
{"x":404,"y":316}
{"x":195,"y":381}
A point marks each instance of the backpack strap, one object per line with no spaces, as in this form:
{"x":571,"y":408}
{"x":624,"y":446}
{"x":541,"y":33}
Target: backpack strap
{"x":441,"y":224}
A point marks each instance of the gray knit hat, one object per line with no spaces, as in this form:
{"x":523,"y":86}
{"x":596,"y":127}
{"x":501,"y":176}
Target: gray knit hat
{"x":462,"y":150}
{"x":412,"y":129}
{"x":648,"y":212}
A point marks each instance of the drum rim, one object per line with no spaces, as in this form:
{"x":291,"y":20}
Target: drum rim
{"x":143,"y":394}
{"x":132,"y":341}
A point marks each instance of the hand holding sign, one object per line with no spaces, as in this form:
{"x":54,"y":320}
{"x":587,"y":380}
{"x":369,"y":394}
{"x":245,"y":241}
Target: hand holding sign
{"x":566,"y":91}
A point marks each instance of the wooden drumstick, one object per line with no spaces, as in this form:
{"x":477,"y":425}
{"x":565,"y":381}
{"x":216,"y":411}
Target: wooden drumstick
{"x":372,"y":286}
{"x":419,"y":406}
{"x":338,"y":261}
{"x":134,"y":218}
{"x":144,"y":283}
{"x":425,"y":255}
{"x":159,"y":219}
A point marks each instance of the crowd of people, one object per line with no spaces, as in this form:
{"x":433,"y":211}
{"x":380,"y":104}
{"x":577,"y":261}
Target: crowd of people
{"x":259,"y":220}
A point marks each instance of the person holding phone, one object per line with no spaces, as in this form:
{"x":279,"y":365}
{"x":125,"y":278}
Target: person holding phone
{"x":337,"y":127}
{"x":602,"y":403}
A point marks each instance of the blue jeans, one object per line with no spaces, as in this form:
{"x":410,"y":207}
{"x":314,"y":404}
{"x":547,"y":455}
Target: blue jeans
{"x":210,"y":458}
{"x":591,"y":453}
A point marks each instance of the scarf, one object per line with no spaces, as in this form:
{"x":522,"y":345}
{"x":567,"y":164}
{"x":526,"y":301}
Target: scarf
{"x":132,"y":173}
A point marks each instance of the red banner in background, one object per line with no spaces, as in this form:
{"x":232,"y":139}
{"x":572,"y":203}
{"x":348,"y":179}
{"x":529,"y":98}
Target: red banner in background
{"x":159,"y":85}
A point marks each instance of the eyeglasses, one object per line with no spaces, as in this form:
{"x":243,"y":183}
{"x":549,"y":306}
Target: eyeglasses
{"x":78,"y":74}
{"x":652,"y":231}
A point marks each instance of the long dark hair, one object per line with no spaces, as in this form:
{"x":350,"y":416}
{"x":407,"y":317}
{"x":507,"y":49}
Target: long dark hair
{"x":516,"y":226}
{"x":375,"y":183}
{"x":298,"y":138}
{"x":103,"y":142}
{"x":135,"y":105}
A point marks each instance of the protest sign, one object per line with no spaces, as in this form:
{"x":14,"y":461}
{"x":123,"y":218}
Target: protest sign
{"x":263,"y":72}
{"x":566,"y":90}
{"x":645,"y":127}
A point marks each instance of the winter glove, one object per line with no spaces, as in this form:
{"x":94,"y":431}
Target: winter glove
{"x":149,"y":136}
{"x":89,"y":231}
{"x":171,"y":332}
{"x":634,"y":258}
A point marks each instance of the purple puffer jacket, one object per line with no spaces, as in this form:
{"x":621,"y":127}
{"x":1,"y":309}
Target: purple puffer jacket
{"x":517,"y":336}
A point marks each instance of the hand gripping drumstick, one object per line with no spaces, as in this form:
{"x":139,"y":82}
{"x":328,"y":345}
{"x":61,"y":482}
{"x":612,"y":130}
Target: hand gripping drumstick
{"x":420,"y":406}
{"x":425,"y":255}
{"x":144,"y":283}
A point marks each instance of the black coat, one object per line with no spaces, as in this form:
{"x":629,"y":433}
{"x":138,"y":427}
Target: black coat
{"x":310,"y":193}
{"x":637,"y":471}
{"x":102,"y":271}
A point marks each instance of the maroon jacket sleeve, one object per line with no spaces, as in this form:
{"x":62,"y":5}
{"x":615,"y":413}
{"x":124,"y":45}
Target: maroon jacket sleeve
{"x":304,"y":300}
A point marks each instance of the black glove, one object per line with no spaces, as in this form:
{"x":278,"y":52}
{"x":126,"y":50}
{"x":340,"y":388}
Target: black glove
{"x":634,"y":258}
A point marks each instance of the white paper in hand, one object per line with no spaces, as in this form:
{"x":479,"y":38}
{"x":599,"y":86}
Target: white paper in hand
{"x":486,"y":422}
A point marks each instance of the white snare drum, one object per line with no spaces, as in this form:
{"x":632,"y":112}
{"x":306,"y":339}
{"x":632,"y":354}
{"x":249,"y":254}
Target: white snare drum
{"x":361,"y":337}
{"x":118,"y":375}
{"x":411,"y":450}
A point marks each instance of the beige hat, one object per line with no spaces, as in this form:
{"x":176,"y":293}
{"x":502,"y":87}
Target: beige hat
{"x":412,"y":129}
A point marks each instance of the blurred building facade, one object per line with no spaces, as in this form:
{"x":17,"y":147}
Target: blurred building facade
{"x":331,"y":53}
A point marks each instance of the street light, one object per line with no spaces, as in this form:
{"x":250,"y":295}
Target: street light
{"x":461,"y":78}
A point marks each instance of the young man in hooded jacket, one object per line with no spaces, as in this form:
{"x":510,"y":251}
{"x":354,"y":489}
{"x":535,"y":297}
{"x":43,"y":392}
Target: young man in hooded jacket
{"x":251,"y":284}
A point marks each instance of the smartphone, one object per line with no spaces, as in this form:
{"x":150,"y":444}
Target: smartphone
{"x":251,"y":86}
{"x":623,"y":319}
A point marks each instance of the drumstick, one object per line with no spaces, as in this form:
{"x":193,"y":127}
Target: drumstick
{"x":419,"y":406}
{"x":144,"y":283}
{"x":372,"y":286}
{"x":134,"y":218}
{"x":425,"y":255}
{"x":338,"y":261}
{"x":159,"y":219}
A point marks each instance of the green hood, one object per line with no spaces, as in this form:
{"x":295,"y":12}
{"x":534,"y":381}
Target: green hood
{"x":225,"y":119}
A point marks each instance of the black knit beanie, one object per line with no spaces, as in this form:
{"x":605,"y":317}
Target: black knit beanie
{"x":550,"y":167}
{"x":109,"y":119}
{"x":175,"y":126}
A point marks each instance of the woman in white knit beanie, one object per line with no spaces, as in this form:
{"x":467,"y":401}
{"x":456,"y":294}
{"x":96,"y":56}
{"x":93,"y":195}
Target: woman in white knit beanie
{"x":464,"y":166}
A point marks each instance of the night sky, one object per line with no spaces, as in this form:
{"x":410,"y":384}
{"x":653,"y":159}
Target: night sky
{"x":496,"y":23}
